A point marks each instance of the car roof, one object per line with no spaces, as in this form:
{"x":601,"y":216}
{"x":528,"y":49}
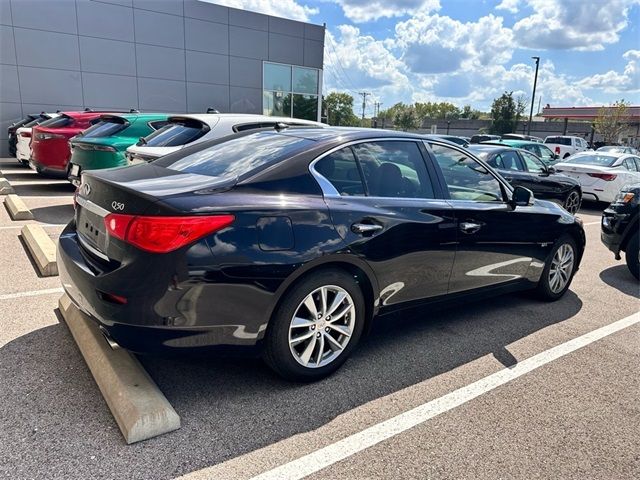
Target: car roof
{"x":513,"y":141}
{"x":249,"y":117}
{"x":488,"y":147}
{"x":607,"y":154}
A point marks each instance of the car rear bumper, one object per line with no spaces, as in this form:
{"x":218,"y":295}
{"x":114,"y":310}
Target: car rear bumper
{"x":47,"y":170}
{"x":164,"y":319}
{"x":614,"y":228}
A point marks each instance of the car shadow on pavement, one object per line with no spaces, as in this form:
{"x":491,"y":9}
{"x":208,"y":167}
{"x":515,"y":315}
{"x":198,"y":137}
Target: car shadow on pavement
{"x":56,"y":420}
{"x":22,"y":176}
{"x":44,"y":189}
{"x":53,"y":214}
{"x":620,"y":278}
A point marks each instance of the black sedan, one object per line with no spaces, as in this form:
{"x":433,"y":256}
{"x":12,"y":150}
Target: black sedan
{"x":621,"y":227}
{"x":520,"y":167}
{"x":292,"y":241}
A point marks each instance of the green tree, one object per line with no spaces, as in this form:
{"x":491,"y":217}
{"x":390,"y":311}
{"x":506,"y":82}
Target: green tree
{"x":441,"y":110}
{"x":469,"y":113}
{"x":504,"y":114}
{"x":610,"y":122}
{"x":339,"y":107}
{"x":405,"y":117}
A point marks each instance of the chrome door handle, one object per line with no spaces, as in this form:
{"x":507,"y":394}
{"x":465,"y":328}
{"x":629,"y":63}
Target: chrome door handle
{"x":508,"y":179}
{"x":470,"y":227}
{"x":365,"y":228}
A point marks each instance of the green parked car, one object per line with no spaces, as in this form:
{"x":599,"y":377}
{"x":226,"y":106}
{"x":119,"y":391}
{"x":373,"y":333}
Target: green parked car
{"x":538,"y":149}
{"x":104,"y":143}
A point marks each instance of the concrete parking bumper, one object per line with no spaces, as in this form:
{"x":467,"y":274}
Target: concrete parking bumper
{"x":137,"y":404}
{"x":5,"y":187}
{"x":17,"y":208}
{"x":42,"y":249}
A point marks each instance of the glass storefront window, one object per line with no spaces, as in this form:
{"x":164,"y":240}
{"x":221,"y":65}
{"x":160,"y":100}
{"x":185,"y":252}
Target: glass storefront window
{"x":290,"y":91}
{"x":277,"y":77}
{"x":305,"y":80}
{"x":305,"y":106}
{"x":276,"y":104}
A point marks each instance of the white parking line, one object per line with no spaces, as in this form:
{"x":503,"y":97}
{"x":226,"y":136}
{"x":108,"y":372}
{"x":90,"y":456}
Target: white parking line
{"x":31,"y":293}
{"x":331,"y":454}
{"x":591,"y":223}
{"x":45,"y":225}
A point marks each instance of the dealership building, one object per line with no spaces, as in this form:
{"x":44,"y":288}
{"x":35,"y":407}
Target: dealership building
{"x":155,"y":56}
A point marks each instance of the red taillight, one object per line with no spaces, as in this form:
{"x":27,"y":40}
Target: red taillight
{"x":558,"y":150}
{"x":163,"y":234}
{"x":607,"y":177}
{"x":25,"y":134}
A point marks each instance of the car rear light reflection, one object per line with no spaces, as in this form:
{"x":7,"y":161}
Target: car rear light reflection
{"x":112,"y":298}
{"x":607,"y":177}
{"x":48,"y":136}
{"x":163,"y":234}
{"x":25,"y":134}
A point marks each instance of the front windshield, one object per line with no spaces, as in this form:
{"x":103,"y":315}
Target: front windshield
{"x":593,"y":159}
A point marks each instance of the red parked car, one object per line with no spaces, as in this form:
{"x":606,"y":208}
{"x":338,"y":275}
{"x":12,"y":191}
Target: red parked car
{"x":50,"y":151}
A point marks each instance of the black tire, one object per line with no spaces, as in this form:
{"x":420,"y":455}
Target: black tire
{"x":25,"y":163}
{"x":569,"y":204}
{"x":544,"y":290}
{"x":631,"y":255}
{"x":277,"y":353}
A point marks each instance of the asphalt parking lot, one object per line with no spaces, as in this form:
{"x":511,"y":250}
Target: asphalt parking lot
{"x":577,"y":416}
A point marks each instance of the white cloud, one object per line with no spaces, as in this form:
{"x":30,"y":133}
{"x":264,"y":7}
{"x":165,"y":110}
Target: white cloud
{"x":614,"y":82}
{"x":573,"y":24}
{"x":279,"y":8}
{"x":438,"y":44}
{"x":509,"y":5}
{"x":361,"y":11}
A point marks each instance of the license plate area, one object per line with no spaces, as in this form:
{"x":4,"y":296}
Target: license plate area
{"x":91,"y":227}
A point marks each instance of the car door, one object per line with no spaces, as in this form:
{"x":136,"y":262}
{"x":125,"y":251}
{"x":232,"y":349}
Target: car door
{"x":511,"y":167}
{"x":495,"y":243}
{"x":384,"y":205}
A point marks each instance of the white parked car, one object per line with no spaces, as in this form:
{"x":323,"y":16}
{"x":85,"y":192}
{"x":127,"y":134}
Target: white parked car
{"x":23,"y":136}
{"x":183,"y":130}
{"x":566,"y":145}
{"x":601,"y":174}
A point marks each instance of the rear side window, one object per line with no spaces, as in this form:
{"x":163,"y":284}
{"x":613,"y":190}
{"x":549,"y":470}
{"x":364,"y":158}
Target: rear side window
{"x":237,"y":157}
{"x":176,"y":133}
{"x":341,"y":169}
{"x":106,"y":127}
{"x":58,"y":122}
{"x":629,"y":164}
{"x":558,"y":140}
{"x":394,"y":169}
{"x":507,"y":161}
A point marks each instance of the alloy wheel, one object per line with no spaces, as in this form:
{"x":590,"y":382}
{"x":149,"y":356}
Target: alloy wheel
{"x":572,"y":203}
{"x":561,"y":268}
{"x":322,"y":326}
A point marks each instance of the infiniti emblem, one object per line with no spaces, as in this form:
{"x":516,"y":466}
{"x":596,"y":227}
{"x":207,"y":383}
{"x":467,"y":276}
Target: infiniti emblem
{"x":86,"y":189}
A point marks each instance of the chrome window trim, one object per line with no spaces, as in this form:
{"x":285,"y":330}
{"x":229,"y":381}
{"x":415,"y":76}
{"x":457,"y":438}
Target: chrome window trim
{"x":329,"y":191}
{"x":92,"y":207}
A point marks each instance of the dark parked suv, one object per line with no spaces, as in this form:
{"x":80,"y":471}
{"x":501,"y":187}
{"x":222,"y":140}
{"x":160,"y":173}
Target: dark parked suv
{"x":620,"y":227}
{"x":292,"y":240}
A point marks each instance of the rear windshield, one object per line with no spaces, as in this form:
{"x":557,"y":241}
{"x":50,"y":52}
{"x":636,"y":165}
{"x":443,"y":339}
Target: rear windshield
{"x":595,"y":159}
{"x":57,"y":122}
{"x":239,"y":156}
{"x":558,"y":140}
{"x":105,"y":127}
{"x":35,"y":122}
{"x":176,"y":133}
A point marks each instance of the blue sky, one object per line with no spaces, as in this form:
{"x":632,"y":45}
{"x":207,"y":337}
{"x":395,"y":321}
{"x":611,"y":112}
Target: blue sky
{"x":469,"y":51}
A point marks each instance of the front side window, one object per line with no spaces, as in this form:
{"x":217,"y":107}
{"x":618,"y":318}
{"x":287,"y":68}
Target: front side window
{"x":341,"y":169}
{"x":466,"y":179}
{"x":533,"y":164}
{"x":394,"y":169}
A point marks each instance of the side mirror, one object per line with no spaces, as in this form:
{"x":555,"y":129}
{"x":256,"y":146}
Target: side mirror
{"x":551,"y":169}
{"x":522,"y":197}
{"x":555,"y":156}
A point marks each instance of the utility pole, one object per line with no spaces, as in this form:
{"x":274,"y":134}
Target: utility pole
{"x":533,"y":97}
{"x":364,"y":101}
